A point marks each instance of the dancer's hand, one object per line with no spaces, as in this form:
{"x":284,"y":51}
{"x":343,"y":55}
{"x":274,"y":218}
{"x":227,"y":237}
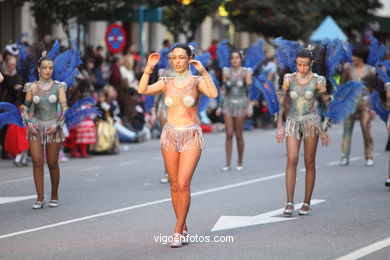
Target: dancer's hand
{"x":218,"y":112}
{"x":325,"y":139}
{"x":280,"y":135}
{"x":249,"y":112}
{"x":33,"y":128}
{"x":153,"y":60}
{"x":51,"y":129}
{"x":197,"y":64}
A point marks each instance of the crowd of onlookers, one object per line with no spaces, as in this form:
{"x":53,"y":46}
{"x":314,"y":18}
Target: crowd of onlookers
{"x":111,"y":80}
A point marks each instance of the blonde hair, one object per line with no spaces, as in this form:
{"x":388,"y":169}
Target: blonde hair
{"x":128,"y":62}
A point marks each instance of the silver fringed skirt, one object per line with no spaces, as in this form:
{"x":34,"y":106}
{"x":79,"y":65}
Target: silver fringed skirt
{"x":179,"y":139}
{"x":236,"y":107}
{"x":302,"y":126}
{"x":55,"y":137}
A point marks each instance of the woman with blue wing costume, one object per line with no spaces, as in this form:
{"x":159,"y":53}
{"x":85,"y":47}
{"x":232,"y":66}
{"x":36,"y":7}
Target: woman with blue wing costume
{"x":302,"y":124}
{"x":236,"y":85}
{"x":40,"y":113}
{"x":356,"y":71}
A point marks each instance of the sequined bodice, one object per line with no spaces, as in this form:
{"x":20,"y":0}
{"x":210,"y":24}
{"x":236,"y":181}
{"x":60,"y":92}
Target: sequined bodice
{"x":182,"y":102}
{"x":365,"y":72}
{"x":303,"y":96}
{"x":45,"y":102}
{"x":235,"y":84}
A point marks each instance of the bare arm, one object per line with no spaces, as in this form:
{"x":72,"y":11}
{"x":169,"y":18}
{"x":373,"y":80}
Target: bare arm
{"x":281,"y":98}
{"x":207,"y":86}
{"x":156,"y":88}
{"x":1,"y":77}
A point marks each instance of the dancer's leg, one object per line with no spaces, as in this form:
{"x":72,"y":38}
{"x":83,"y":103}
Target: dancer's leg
{"x":37,"y":156}
{"x":238,"y":130}
{"x":229,"y":129}
{"x":52,"y":153}
{"x":310,"y":148}
{"x":187,"y":165}
{"x":292,"y":144}
{"x":171,"y":161}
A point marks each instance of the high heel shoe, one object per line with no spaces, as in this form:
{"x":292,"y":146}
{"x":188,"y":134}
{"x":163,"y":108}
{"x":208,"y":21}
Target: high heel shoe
{"x":303,"y":212}
{"x":387,"y":183}
{"x":53,"y":203}
{"x":39,"y":204}
{"x":288,"y":212}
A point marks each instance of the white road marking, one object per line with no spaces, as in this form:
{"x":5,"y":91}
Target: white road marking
{"x":271,"y":177}
{"x":5,"y":200}
{"x":127,"y":163}
{"x":91,"y":169}
{"x":362,"y":252}
{"x":230,"y":222}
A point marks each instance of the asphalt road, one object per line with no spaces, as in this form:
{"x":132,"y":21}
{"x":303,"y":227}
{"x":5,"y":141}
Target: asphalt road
{"x":113,"y":207}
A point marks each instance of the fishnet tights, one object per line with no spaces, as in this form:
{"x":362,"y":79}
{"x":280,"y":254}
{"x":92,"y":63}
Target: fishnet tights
{"x":181,"y":167}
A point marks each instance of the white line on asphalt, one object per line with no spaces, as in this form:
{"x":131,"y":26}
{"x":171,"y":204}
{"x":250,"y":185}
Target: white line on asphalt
{"x":357,"y":158}
{"x":16,"y":180}
{"x":367,"y":250}
{"x":127,"y":163}
{"x":332,"y":163}
{"x":91,"y":169}
{"x":271,"y":177}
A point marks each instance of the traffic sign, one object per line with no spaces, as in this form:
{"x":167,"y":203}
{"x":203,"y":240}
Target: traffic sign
{"x":115,"y":38}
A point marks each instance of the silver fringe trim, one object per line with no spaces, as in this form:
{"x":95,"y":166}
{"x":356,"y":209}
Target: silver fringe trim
{"x":56,"y":137}
{"x":302,"y":126}
{"x":236,"y":107}
{"x":179,"y":139}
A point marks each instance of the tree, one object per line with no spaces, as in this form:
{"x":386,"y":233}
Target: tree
{"x":297,"y":19}
{"x":184,"y":17}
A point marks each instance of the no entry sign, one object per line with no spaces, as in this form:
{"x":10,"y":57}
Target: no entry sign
{"x":115,"y":38}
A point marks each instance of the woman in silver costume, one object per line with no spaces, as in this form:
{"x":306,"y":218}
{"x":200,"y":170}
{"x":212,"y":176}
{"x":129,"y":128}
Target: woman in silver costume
{"x":235,"y":106}
{"x":302,"y":123}
{"x":45,"y":133}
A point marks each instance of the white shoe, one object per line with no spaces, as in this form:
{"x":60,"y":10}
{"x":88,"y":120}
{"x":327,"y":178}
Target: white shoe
{"x":177,"y":240}
{"x":164,"y":179}
{"x":304,"y":212}
{"x":344,"y":161}
{"x":53,"y":203}
{"x":387,"y":183}
{"x":38,"y":204}
{"x":369,"y":162}
{"x":288,"y":212}
{"x":186,"y":238}
{"x":226,"y":168}
{"x":239,"y":168}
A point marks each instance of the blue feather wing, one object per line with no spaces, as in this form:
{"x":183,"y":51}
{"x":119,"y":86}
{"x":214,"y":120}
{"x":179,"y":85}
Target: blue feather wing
{"x":55,"y":50}
{"x":65,"y":66}
{"x":286,"y":53}
{"x":378,"y":106}
{"x":80,"y":111}
{"x":268,"y":92}
{"x":204,"y":58}
{"x":10,"y":114}
{"x":254,"y":55}
{"x":223,"y":54}
{"x":383,"y":75}
{"x":344,"y":102}
{"x":376,"y":53}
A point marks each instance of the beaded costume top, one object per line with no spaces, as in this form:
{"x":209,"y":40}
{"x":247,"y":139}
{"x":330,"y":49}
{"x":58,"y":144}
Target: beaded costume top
{"x":303,"y":96}
{"x":182,"y":102}
{"x":45,"y":102}
{"x":235,"y":85}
